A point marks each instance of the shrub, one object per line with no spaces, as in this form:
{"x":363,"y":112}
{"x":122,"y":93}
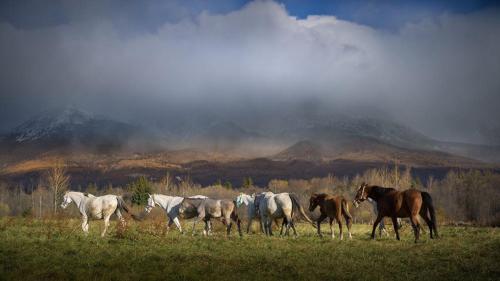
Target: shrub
{"x":141,"y":189}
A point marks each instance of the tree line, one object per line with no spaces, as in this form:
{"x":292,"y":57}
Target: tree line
{"x":470,"y":196}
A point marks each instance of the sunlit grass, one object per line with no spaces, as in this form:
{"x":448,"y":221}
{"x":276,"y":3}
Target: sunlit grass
{"x":57,"y":249}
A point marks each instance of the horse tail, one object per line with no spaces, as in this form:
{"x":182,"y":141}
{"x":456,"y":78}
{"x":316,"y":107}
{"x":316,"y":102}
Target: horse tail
{"x":427,"y":200}
{"x":345,"y":209}
{"x":296,"y":204}
{"x":123,"y":206}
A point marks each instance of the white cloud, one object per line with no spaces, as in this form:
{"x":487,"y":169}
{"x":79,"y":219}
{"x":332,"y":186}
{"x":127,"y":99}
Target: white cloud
{"x":439,"y":75}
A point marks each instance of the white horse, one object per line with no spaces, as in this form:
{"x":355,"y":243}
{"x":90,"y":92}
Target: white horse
{"x":252,"y":209}
{"x":101,"y":207}
{"x":171,"y":206}
{"x":249,"y":202}
{"x":272,"y":206}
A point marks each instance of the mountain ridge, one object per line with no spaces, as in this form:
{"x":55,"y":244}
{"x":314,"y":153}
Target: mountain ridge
{"x":315,"y":137}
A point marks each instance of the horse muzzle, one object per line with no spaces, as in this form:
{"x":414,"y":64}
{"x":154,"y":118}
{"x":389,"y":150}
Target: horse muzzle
{"x":355,"y":203}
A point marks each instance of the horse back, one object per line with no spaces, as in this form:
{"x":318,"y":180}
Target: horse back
{"x":283,"y":200}
{"x":98,"y":207}
{"x":401,"y":203}
{"x":331,"y":205}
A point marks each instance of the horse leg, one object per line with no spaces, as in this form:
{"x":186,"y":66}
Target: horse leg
{"x":206,"y":228}
{"x":270,"y":226}
{"x":424,"y":214}
{"x":348,"y":222}
{"x":238,"y":224}
{"x":263,"y":227}
{"x":169,"y":224}
{"x":377,"y":221}
{"x":178,"y":224}
{"x":85,"y":225}
{"x":106,"y":224}
{"x":229,"y":226}
{"x":229,"y":223}
{"x":288,"y":225}
{"x":339,"y":221}
{"x":293,"y":228}
{"x":250,"y":220}
{"x":332,"y":233}
{"x":264,"y":222}
{"x":381,"y":228}
{"x":194,"y":224}
{"x":321,"y":218}
{"x":120,"y":217}
{"x":416,"y":226}
{"x":282,"y":226}
{"x":396,"y":228}
{"x":429,"y":224}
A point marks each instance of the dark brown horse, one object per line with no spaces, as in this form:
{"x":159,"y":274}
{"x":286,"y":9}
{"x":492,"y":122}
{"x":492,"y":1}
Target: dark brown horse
{"x":400,"y":204}
{"x":333,"y":207}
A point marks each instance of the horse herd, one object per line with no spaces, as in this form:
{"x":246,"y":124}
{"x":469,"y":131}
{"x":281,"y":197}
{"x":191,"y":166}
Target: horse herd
{"x":269,"y":207}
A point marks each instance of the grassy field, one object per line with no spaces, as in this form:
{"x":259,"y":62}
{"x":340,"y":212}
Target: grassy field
{"x":56,"y":249}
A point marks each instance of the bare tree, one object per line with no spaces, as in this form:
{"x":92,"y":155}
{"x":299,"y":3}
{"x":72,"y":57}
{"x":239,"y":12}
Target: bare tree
{"x":58,"y":181}
{"x":166,"y":182}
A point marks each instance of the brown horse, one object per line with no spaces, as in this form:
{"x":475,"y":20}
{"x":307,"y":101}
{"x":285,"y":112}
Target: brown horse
{"x":400,"y":204}
{"x":332,"y":207}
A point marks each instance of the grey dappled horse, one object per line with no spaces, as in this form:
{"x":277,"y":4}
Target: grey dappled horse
{"x":171,"y":206}
{"x":206,"y":209}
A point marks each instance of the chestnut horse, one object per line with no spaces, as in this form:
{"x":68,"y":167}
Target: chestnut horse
{"x":400,"y":204}
{"x":332,"y":207}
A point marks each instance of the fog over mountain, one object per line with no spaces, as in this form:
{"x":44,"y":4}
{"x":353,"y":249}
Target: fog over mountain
{"x":254,"y":67}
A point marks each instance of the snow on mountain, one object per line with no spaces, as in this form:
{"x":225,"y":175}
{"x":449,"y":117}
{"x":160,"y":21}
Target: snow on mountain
{"x":74,"y":128}
{"x":50,"y":123}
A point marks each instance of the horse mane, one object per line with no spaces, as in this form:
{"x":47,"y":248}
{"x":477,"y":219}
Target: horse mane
{"x":379,"y":191}
{"x":89,"y":195}
{"x":193,"y":201}
{"x":319,"y":195}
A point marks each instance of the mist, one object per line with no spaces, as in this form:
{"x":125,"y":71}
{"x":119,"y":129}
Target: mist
{"x":438,"y":75}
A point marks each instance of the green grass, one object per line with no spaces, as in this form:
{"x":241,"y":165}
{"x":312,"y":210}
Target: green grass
{"x":57,"y":249}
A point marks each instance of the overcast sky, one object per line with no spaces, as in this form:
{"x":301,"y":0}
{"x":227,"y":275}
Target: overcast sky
{"x":434,"y":66}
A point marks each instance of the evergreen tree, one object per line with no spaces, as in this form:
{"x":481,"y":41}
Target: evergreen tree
{"x":228,"y":185}
{"x":141,"y":189}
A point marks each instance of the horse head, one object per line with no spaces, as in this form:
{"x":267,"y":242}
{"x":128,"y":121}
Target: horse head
{"x":257,"y":199}
{"x":313,"y":202}
{"x":361,"y":194}
{"x":66,"y":200}
{"x":239,"y":200}
{"x":151,"y":203}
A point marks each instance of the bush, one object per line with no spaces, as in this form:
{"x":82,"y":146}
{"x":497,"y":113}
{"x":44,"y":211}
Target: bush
{"x":28,"y":212}
{"x":141,"y":189}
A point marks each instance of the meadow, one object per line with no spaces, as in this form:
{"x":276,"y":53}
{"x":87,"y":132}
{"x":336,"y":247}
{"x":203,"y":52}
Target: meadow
{"x":55,"y":249}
